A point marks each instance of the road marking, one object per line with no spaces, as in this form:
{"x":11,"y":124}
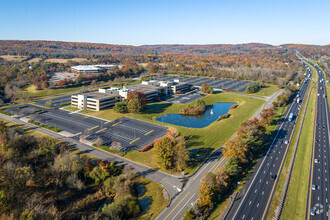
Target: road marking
{"x":93,"y":128}
{"x":201,"y":171}
{"x":184,"y":205}
{"x":100,"y":130}
{"x":177,"y":205}
{"x":134,"y":140}
{"x":222,"y":159}
{"x":116,"y":123}
{"x":107,"y":122}
{"x":211,"y":170}
{"x":149,"y":132}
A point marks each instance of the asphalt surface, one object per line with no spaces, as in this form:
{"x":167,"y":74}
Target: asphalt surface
{"x":186,"y":98}
{"x":188,"y":197}
{"x":318,"y":199}
{"x":131,"y":133}
{"x":172,"y":184}
{"x":255,"y":197}
{"x":217,"y":84}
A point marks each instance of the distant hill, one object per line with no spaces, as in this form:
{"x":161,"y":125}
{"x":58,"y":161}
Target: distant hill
{"x":24,"y":47}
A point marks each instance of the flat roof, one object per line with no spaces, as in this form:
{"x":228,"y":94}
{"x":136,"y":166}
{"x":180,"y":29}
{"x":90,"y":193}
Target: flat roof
{"x":85,"y":67}
{"x":98,"y":95}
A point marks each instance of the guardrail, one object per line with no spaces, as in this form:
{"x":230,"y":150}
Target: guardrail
{"x":287,"y":182}
{"x":230,"y":205}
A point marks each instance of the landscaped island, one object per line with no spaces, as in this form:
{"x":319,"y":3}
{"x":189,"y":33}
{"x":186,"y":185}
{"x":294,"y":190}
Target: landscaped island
{"x":194,"y":108}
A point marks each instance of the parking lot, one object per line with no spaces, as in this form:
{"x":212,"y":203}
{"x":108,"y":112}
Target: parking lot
{"x":131,"y":133}
{"x":234,"y":85}
{"x":186,"y":98}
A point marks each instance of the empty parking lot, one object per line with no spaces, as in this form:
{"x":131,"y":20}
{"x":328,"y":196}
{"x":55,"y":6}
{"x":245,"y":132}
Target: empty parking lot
{"x":234,"y":85}
{"x":131,"y":133}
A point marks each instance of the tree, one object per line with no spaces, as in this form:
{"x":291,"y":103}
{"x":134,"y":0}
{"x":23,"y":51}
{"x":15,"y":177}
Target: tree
{"x":206,"y":88}
{"x":164,"y":151}
{"x":181,"y":156}
{"x":120,"y":107}
{"x":205,"y":195}
{"x":136,"y":101}
{"x":267,"y":115}
{"x":235,"y":148}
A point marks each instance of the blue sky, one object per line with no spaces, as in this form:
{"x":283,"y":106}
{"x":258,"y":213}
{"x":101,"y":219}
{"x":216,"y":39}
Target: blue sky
{"x":139,"y":22}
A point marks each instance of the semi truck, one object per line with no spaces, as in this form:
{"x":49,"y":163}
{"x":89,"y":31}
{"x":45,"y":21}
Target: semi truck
{"x":291,"y":116}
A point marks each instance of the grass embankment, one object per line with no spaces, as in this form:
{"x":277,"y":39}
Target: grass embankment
{"x":49,"y":127}
{"x":31,"y":92}
{"x":58,"y":60}
{"x":201,"y":141}
{"x":153,"y":190}
{"x":14,"y":58}
{"x":295,"y":203}
{"x":266,"y":91}
{"x":6,"y":113}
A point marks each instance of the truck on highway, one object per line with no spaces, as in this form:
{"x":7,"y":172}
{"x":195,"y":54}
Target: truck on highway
{"x":298,"y":100}
{"x":291,"y":116}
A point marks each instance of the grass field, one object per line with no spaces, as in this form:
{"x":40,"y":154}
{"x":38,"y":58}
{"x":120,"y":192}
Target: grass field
{"x":295,"y":204}
{"x":201,"y":141}
{"x":154,"y":192}
{"x":54,"y":60}
{"x":13,"y":58}
{"x":70,"y":108}
{"x":34,"y":60}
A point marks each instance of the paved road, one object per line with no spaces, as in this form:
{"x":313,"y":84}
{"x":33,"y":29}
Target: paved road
{"x":188,"y":197}
{"x":171,"y":183}
{"x":254,"y":199}
{"x":318,"y":199}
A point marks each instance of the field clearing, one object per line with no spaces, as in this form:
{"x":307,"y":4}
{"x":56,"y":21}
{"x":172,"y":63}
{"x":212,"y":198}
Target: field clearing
{"x":200,"y":140}
{"x":13,"y":58}
{"x":34,"y":60}
{"x":146,"y":64}
{"x":55,"y":60}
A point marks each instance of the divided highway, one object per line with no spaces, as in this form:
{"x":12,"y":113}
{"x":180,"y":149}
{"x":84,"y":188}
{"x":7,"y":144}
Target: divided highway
{"x":255,"y":197}
{"x":319,"y":190}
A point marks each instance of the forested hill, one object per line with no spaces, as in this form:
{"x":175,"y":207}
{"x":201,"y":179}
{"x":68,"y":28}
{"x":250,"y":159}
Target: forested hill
{"x":59,"y":47}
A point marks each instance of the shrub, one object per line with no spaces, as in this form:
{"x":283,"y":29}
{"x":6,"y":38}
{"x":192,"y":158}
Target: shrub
{"x":120,"y":107}
{"x":253,"y":88}
{"x":223,"y":116}
{"x":233,"y":106}
{"x":6,"y":113}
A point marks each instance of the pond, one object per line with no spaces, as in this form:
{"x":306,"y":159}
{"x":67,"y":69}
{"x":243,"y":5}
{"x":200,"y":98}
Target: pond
{"x":197,"y":121}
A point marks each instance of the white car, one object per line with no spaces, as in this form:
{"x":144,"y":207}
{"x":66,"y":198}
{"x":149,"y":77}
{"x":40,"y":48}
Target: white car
{"x":317,"y":161}
{"x":286,"y":142}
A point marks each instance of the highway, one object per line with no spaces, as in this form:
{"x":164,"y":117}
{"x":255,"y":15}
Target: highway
{"x":255,"y":198}
{"x":318,"y":197}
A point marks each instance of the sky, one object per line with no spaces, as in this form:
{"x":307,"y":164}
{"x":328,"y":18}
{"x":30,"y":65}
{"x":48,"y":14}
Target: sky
{"x":141,"y":22}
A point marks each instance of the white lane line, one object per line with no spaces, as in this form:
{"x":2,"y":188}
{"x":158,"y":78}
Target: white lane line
{"x":184,"y":205}
{"x":203,"y":169}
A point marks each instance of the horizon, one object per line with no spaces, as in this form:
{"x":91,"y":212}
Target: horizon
{"x":165,"y":44}
{"x":168,"y":22}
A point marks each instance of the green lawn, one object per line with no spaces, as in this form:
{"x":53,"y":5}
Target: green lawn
{"x":268,"y":90}
{"x":295,"y":204}
{"x":70,"y":108}
{"x":201,"y":141}
{"x":30,"y":91}
{"x":154,"y":191}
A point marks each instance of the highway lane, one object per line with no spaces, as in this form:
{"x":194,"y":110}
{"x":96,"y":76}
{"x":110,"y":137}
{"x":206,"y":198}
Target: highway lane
{"x":255,"y":198}
{"x":318,"y":199}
